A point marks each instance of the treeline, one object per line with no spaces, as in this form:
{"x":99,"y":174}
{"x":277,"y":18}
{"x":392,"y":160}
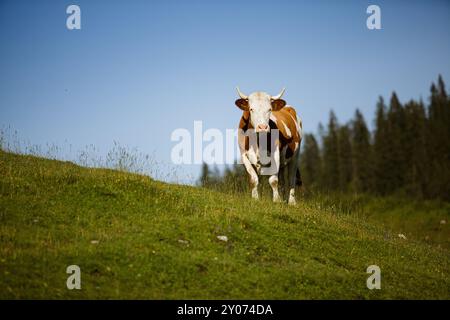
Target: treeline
{"x":408,"y":152}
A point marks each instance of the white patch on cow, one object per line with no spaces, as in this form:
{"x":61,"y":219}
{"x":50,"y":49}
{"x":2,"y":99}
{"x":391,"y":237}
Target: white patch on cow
{"x":260,"y":110}
{"x":296,"y":123}
{"x":288,"y":132}
{"x":300,"y":132}
{"x":253,"y":155}
{"x":292,"y":197}
{"x":253,"y":176}
{"x":273,"y":180}
{"x":273,"y":118}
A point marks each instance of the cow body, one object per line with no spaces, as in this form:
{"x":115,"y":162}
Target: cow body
{"x":282,"y":130}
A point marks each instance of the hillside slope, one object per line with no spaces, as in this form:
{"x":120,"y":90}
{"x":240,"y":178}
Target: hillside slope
{"x":137,"y":238}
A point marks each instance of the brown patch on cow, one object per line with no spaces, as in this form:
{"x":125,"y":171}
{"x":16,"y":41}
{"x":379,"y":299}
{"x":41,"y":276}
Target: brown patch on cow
{"x":242,"y":104}
{"x":244,"y":125}
{"x":291,"y":136}
{"x":278,"y":104}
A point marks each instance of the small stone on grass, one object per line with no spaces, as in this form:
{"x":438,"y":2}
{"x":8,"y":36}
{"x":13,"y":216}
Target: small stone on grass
{"x":222,"y":238}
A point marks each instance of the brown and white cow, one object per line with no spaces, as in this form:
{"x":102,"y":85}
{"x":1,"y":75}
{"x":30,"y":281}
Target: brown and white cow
{"x":268,"y":117}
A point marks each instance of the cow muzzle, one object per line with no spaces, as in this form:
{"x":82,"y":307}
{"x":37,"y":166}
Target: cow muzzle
{"x":262,"y":128}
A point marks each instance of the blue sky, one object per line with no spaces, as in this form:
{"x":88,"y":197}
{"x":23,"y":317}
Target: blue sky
{"x":137,"y":70}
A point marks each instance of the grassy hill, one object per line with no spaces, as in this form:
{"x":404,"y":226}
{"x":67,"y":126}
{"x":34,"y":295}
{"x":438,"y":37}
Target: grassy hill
{"x":134,"y":237}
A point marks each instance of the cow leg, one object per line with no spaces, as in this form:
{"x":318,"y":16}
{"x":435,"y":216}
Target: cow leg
{"x":282,"y":173}
{"x":253,"y":176}
{"x":292,"y":171}
{"x":282,"y":182}
{"x":273,"y":180}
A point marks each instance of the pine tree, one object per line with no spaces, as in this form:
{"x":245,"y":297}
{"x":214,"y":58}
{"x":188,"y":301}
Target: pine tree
{"x":395,"y":169}
{"x":344,"y":158}
{"x":416,"y":174}
{"x":445,"y":194}
{"x":205,"y":176}
{"x":321,"y":138}
{"x":310,"y":162}
{"x":439,"y":141}
{"x":330,"y":155}
{"x":362,"y":155}
{"x":380,"y":153}
{"x":445,"y":100}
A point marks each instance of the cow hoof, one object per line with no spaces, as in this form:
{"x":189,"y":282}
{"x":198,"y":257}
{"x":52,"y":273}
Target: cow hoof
{"x":277,"y":200}
{"x":292,"y":202}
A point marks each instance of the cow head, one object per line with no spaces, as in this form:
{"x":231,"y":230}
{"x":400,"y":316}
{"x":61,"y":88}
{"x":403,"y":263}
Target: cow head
{"x":260,"y":105}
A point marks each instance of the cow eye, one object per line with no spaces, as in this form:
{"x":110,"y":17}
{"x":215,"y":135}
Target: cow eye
{"x":251,"y":109}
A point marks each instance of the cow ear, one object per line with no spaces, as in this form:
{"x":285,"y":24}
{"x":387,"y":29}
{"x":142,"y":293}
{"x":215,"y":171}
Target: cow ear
{"x":278,"y":104}
{"x":242,"y":104}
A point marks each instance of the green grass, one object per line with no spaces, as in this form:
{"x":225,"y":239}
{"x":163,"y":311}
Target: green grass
{"x":418,"y":219}
{"x":51,"y":211}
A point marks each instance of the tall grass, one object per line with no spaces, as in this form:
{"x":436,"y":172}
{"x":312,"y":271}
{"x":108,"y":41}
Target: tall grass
{"x":118,"y":157}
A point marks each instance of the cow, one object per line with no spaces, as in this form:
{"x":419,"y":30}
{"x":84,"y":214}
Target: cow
{"x":269,"y":116}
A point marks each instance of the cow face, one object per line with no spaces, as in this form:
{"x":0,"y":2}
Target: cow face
{"x":260,"y":105}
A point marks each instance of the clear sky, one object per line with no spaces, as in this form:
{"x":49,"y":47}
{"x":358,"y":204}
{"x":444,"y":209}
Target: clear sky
{"x":137,"y":70}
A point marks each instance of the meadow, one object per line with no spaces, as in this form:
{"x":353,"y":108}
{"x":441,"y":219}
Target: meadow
{"x":138,"y":238}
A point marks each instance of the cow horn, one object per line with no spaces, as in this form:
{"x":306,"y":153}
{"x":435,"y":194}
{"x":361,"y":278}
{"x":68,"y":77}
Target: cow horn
{"x":243,"y":96}
{"x":279,"y":95}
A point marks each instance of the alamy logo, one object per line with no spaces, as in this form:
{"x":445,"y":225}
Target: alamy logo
{"x":213,"y":147}
{"x":74,"y":20}
{"x":374,"y":20}
{"x":374,"y":280}
{"x":74,"y":280}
